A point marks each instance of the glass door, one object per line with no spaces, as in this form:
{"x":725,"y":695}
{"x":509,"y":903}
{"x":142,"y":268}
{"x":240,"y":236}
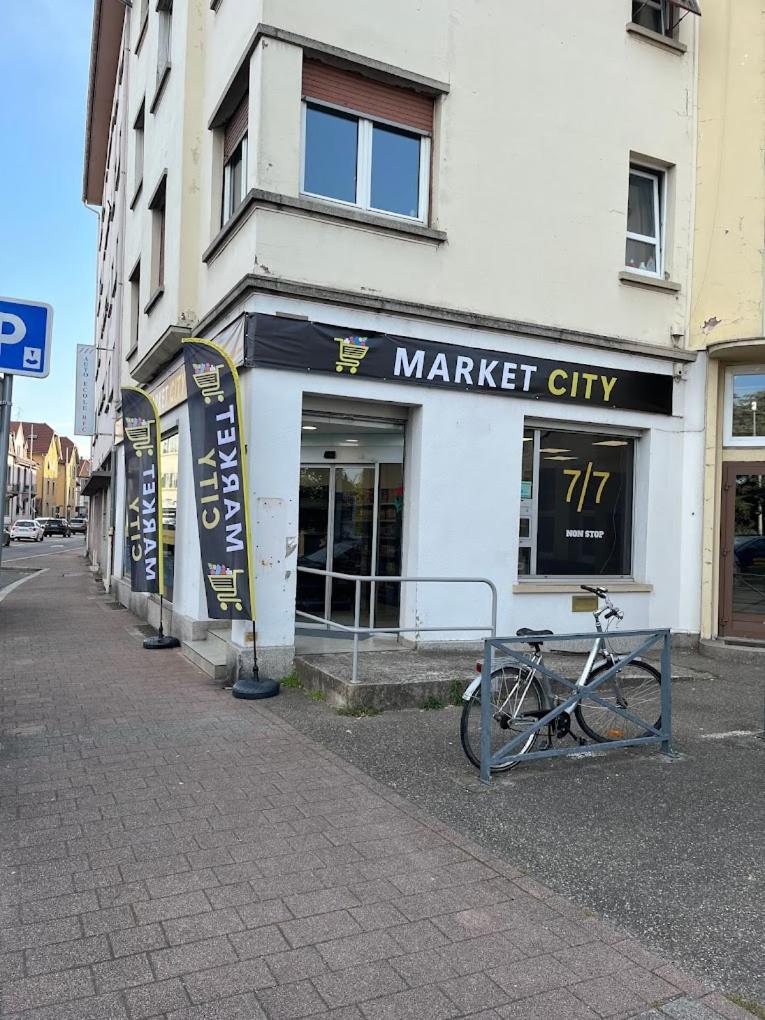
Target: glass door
{"x":313,"y":539}
{"x":350,"y":522}
{"x":353,"y":538}
{"x":742,"y":551}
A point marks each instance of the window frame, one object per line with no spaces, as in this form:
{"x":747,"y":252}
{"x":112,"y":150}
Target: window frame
{"x":728,"y":438}
{"x":530,"y":542}
{"x":664,"y":7}
{"x":139,"y":152}
{"x":659,"y":179}
{"x":364,"y":134}
{"x":227,"y":212}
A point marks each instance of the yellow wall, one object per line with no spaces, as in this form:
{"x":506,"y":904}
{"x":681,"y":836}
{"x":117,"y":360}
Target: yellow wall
{"x":727,"y":294}
{"x":727,"y":300}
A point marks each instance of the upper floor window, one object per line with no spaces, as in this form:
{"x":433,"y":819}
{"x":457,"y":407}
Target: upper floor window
{"x":235,"y":160}
{"x":138,"y":137}
{"x":158,"y":207}
{"x":366,"y":143}
{"x":645,"y":221}
{"x":657,"y":15}
{"x":663,"y":16}
{"x":164,"y":37}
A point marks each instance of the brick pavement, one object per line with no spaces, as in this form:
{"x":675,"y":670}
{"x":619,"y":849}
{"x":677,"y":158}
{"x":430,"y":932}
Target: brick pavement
{"x":168,"y":851}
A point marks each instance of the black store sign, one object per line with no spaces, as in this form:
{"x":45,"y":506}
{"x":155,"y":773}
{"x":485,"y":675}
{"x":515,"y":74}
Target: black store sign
{"x":275,"y":342}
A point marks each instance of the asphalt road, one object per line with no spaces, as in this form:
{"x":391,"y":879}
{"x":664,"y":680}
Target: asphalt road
{"x":24,"y":552}
{"x":669,"y":850}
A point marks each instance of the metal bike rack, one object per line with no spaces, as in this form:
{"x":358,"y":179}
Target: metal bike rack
{"x":356,"y":631}
{"x":662,"y":736}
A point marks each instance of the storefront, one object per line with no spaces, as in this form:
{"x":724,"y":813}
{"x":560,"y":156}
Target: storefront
{"x":385,"y":445}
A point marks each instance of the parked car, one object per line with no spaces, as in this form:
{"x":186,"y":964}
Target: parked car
{"x":78,"y":525}
{"x":27,"y":531}
{"x":55,"y":526}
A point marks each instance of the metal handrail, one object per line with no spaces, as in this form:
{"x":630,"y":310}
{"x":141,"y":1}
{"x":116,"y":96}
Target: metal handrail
{"x":356,"y":630}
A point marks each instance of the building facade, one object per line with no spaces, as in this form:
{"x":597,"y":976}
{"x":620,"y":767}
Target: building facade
{"x":21,"y":480}
{"x":510,"y":237}
{"x":728,"y":316}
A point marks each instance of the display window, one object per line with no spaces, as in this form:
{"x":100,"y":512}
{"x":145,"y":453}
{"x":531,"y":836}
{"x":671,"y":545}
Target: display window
{"x":576,"y":504}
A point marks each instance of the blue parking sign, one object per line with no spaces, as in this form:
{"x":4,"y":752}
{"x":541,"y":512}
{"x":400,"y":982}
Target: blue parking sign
{"x":25,"y":335}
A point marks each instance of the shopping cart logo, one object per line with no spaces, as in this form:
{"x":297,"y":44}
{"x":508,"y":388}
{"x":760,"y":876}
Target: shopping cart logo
{"x":351,"y":352}
{"x":207,"y":378}
{"x":138,"y":431}
{"x":225,"y":582}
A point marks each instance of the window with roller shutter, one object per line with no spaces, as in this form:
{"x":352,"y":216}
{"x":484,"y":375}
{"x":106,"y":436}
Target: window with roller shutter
{"x":366,"y":143}
{"x":235,"y":160}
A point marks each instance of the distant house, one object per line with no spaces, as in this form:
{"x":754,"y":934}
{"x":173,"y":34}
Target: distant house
{"x":21,"y":480}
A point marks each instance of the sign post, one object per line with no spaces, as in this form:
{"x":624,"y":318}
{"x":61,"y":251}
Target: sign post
{"x":25,"y":340}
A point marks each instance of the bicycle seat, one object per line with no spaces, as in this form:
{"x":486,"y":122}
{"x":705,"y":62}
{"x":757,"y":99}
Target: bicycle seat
{"x":523,"y":631}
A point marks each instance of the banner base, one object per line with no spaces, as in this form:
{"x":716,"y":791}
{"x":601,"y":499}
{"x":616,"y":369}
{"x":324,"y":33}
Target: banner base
{"x":252,"y":687}
{"x":160,"y":641}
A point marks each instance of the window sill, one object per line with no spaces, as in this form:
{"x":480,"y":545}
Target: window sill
{"x":136,"y":194}
{"x":349,"y":214}
{"x":651,"y":282}
{"x":256,"y":198}
{"x":656,"y":39}
{"x":141,"y":32}
{"x":161,"y":82}
{"x":132,"y":352}
{"x":154,"y":299}
{"x":230,"y":227}
{"x":542,"y":587}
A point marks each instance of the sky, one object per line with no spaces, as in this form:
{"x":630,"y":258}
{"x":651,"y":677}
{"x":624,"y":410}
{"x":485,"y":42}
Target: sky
{"x":47,"y":236}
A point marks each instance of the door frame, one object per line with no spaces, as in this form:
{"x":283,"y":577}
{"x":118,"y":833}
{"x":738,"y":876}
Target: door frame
{"x":331,"y":530}
{"x":740,"y":625}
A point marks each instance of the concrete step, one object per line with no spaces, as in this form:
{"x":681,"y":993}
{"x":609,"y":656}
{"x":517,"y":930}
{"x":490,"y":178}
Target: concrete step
{"x":209,"y":656}
{"x":733,"y":650}
{"x":219,"y":639}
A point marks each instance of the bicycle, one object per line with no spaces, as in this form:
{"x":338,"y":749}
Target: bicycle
{"x":521,"y":696}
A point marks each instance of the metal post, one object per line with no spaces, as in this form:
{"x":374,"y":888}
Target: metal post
{"x":356,"y":619}
{"x":666,"y":694}
{"x":486,"y":713}
{"x":6,"y":395}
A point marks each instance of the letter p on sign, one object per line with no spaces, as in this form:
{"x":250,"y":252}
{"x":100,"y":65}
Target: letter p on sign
{"x":12,"y":329}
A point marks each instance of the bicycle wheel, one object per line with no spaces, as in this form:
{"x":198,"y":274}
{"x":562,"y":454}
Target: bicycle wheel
{"x":514,"y":697}
{"x":637,"y":688}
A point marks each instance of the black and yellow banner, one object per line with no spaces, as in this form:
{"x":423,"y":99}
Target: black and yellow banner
{"x":143,"y":491}
{"x":220,"y":479}
{"x":276,"y":342}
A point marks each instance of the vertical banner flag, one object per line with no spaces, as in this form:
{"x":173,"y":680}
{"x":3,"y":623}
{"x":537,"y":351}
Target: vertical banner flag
{"x":143,"y":491}
{"x":220,"y":479}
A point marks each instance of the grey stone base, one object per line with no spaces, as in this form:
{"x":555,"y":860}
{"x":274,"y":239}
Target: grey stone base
{"x":274,"y":662}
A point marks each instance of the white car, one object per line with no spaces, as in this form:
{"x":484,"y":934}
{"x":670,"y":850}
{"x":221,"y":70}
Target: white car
{"x":28,"y":531}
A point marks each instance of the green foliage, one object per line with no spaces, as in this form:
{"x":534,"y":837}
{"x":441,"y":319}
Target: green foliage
{"x":432,"y":704}
{"x":290,"y":681}
{"x":316,"y":695}
{"x":357,"y":711}
{"x":455,"y":692}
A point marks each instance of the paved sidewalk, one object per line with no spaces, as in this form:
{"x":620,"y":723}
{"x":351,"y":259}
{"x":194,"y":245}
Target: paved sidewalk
{"x":168,"y":851}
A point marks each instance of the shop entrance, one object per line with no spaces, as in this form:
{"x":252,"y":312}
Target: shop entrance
{"x":350,"y":517}
{"x":742,"y":551}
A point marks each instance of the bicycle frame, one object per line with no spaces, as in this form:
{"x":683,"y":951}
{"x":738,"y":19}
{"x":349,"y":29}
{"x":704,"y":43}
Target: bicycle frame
{"x":599,"y":645}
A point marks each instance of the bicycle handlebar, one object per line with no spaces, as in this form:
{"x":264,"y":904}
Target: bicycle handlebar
{"x":602,"y":593}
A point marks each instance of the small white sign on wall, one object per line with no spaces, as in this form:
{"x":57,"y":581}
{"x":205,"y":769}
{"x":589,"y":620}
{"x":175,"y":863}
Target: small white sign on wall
{"x":85,"y":391}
